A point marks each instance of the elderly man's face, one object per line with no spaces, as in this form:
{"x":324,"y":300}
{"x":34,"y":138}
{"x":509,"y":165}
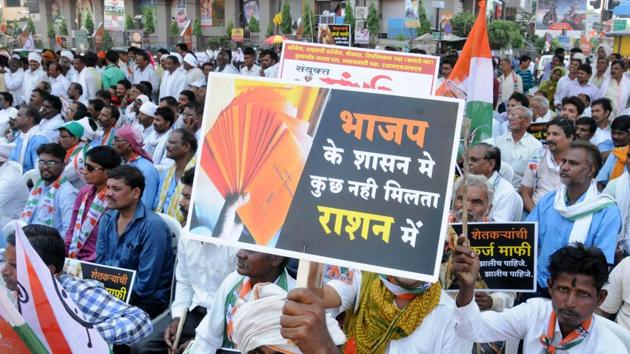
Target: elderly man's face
{"x":517,"y":121}
{"x":478,"y":204}
{"x":538,"y":110}
{"x":9,"y":270}
{"x":478,"y":163}
{"x":575,"y":169}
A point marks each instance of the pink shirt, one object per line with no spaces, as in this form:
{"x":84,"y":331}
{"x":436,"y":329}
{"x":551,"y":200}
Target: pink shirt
{"x":88,"y":252}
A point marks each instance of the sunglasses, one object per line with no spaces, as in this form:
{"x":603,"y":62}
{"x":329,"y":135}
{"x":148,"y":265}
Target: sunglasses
{"x":92,"y":168}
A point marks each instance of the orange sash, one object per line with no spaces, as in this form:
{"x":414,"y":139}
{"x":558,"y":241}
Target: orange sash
{"x":621,"y":154}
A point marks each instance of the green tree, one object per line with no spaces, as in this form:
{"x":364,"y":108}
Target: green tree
{"x":196,"y":28}
{"x":108,"y":42}
{"x":174,"y":31}
{"x":504,"y":34}
{"x":30,"y":26}
{"x":269,"y":30}
{"x":89,"y":23}
{"x":425,"y":24}
{"x":307,"y":22}
{"x":253,"y":25}
{"x":287,"y":22}
{"x":51,"y":30}
{"x":128,"y":22}
{"x":229,"y":28}
{"x":462,"y":23}
{"x":349,"y":18}
{"x":148,"y":19}
{"x":63,"y":27}
{"x":373,"y":23}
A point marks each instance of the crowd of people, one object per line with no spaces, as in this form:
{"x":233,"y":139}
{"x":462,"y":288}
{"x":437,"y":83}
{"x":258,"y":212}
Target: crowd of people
{"x":98,"y":153}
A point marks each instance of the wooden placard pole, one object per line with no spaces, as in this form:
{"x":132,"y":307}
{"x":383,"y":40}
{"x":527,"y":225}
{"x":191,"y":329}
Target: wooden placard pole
{"x":466,"y":127}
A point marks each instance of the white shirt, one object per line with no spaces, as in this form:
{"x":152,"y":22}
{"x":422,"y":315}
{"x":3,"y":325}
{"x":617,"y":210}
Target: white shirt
{"x":193,"y":75}
{"x":13,"y":193}
{"x":146,"y":132}
{"x":508,"y":85}
{"x":195,"y":288}
{"x":546,"y":118}
{"x":507,"y":205}
{"x":88,"y":82}
{"x":435,"y":335}
{"x":49,"y":127}
{"x":273,"y":71}
{"x":542,"y":177}
{"x":518,"y":154}
{"x":600,"y":136}
{"x":528,"y":321}
{"x":13,"y":82}
{"x":210,"y":331}
{"x":31,"y":80}
{"x":148,"y":74}
{"x":561,"y":88}
{"x":618,"y":299}
{"x":173,"y":83}
{"x":574,"y":89}
{"x":254,"y":71}
{"x":228,"y":69}
{"x":59,"y":85}
{"x":156,"y":146}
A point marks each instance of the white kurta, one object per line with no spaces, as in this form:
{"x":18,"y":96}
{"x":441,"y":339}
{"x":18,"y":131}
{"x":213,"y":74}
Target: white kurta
{"x":173,"y":83}
{"x":31,"y":80}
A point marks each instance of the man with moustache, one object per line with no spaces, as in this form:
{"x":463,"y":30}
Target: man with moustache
{"x":51,"y":199}
{"x":575,"y":211}
{"x":194,"y":291}
{"x":615,"y":162}
{"x":565,"y":324}
{"x":543,"y":173}
{"x":132,"y":236}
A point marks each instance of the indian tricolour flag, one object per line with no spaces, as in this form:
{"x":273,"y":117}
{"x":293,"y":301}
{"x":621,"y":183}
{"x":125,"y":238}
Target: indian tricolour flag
{"x":47,"y":308}
{"x":15,"y":335}
{"x":472,"y":78}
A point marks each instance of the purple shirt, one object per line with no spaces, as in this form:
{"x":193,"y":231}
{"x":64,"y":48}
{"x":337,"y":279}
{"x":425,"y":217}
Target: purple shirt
{"x":88,"y":252}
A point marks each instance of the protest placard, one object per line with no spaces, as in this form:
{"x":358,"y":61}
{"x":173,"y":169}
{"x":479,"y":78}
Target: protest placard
{"x":350,"y":178}
{"x":334,"y":34}
{"x":538,"y":131}
{"x":507,"y":256}
{"x":402,"y":74}
{"x":117,"y":281}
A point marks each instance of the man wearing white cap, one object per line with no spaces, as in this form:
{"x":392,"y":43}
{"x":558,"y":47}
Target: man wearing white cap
{"x":13,"y":79}
{"x":191,"y":65}
{"x":66,"y":59}
{"x":13,"y":194}
{"x":144,"y":121}
{"x":144,"y":71}
{"x":174,"y":77}
{"x":34,"y":74}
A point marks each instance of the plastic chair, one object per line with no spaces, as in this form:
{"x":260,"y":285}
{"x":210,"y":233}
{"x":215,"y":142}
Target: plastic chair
{"x":176,"y":229}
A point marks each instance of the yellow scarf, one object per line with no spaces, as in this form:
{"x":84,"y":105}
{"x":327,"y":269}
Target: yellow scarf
{"x":621,"y":154}
{"x":378,"y":320}
{"x":173,"y":206}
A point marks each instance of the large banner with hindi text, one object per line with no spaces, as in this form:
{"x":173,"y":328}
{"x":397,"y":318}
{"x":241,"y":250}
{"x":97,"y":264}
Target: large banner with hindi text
{"x":405,"y":74}
{"x":349,"y":178}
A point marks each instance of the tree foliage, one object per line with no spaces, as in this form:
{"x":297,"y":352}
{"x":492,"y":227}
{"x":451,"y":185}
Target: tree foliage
{"x":425,"y":24}
{"x":308,"y":20}
{"x":349,"y":18}
{"x":174,"y":31}
{"x":89,"y":23}
{"x":196,"y":28}
{"x":51,"y":30}
{"x":128,"y":22}
{"x":30,"y":26}
{"x":108,"y":42}
{"x":504,"y":34}
{"x":269,"y":30}
{"x":287,"y":21}
{"x":373,"y":23}
{"x":63,"y":27}
{"x":462,"y":23}
{"x":253,"y":24}
{"x":148,"y":19}
{"x":229,"y":28}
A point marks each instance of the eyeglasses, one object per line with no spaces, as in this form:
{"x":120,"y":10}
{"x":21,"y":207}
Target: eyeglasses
{"x":92,"y":168}
{"x":49,"y":163}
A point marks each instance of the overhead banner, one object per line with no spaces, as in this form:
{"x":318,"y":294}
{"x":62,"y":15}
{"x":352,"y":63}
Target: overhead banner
{"x":334,"y":34}
{"x":349,"y":178}
{"x":397,"y":73}
{"x":117,"y":281}
{"x":114,"y":17}
{"x":560,"y":15}
{"x":507,"y":256}
{"x":412,"y":19}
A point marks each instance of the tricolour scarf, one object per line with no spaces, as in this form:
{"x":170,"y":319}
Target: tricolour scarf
{"x":83,"y":226}
{"x":47,"y":208}
{"x":574,"y":338}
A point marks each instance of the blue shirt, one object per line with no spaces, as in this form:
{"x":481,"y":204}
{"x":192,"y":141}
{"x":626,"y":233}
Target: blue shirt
{"x":604,"y":173}
{"x":151,"y":180}
{"x":145,"y":246}
{"x":30,"y":155}
{"x":554,"y":231}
